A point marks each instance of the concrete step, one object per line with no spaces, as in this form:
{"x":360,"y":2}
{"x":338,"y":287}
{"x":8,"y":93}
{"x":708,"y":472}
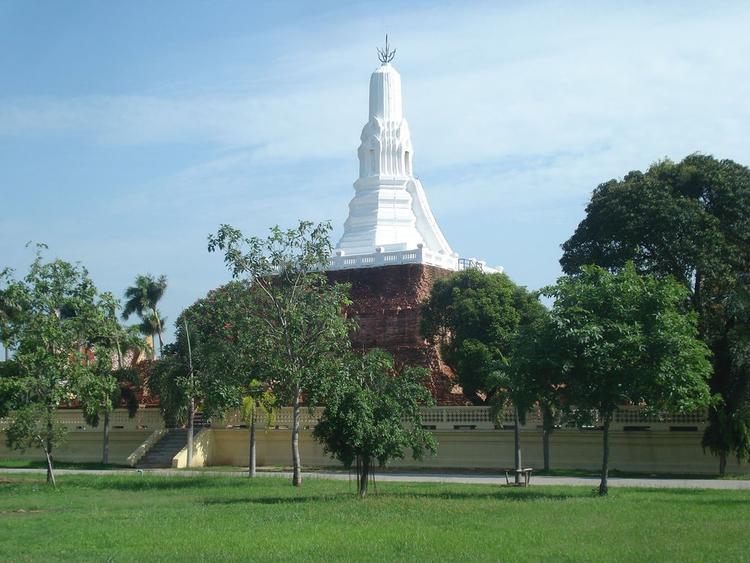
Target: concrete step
{"x":164,"y":450}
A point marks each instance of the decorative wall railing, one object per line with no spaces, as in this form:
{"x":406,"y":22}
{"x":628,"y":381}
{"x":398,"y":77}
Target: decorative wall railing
{"x":145,"y":420}
{"x":627,"y":418}
{"x":419,"y":255}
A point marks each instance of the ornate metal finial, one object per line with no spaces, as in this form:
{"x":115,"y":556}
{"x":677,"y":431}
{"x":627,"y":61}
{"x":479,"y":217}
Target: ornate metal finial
{"x":386,"y":55}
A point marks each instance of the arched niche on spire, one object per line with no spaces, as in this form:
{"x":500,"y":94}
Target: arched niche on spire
{"x":373,"y":157}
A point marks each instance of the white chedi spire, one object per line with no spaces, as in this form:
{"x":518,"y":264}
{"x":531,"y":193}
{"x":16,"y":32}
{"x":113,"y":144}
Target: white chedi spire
{"x":389,"y":211}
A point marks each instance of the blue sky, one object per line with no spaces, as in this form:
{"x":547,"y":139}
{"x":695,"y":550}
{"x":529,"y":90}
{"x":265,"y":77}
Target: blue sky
{"x":130,"y":130}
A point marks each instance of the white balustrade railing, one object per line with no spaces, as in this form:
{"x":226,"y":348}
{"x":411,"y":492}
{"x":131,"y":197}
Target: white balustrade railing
{"x":481,"y":418}
{"x":145,"y":420}
{"x":419,"y":255}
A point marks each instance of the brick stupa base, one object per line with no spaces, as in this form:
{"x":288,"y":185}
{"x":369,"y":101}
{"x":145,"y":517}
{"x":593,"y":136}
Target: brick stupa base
{"x":387,"y":303}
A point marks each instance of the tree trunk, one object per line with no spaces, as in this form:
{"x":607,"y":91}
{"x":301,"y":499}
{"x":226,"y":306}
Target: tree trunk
{"x":48,"y":448}
{"x":603,"y":485}
{"x":6,"y":352}
{"x":548,"y":425}
{"x":159,"y":330}
{"x":364,"y":476}
{"x":50,"y":472}
{"x":105,"y":439}
{"x":697,"y":292}
{"x":545,"y":446}
{"x":517,"y":441}
{"x":191,"y":416}
{"x":296,"y":468}
{"x":251,"y":464}
{"x":722,"y":464}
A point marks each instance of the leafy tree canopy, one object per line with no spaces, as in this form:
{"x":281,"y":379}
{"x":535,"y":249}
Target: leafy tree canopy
{"x":476,"y":318}
{"x":626,"y":338}
{"x":110,"y":381}
{"x":689,"y":220}
{"x":373,"y":414}
{"x":221,"y":338}
{"x":676,"y":219}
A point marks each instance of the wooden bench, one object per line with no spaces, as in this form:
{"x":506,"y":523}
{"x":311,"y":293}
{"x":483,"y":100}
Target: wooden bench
{"x":524,"y":474}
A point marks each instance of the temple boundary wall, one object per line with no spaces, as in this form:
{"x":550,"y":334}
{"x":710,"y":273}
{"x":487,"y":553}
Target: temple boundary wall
{"x":467,"y":439}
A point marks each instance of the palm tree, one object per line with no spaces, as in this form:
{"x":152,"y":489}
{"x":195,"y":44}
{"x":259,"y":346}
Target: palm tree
{"x":150,"y":326}
{"x":141,"y":298}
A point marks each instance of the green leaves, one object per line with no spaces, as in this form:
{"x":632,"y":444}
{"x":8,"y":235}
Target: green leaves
{"x":142,"y":299}
{"x":292,"y":325}
{"x":34,"y":426}
{"x":476,"y":317}
{"x":259,"y":400}
{"x":691,"y":221}
{"x":371,"y":412}
{"x":297,"y":328}
{"x":625,"y":338}
{"x":64,"y":334}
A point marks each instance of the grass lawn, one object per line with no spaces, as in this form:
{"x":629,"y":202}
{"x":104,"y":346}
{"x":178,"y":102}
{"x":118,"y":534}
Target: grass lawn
{"x":25,"y":464}
{"x":177,"y":518}
{"x":487,"y":472}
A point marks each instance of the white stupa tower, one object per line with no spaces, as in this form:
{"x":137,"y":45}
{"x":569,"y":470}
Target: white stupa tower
{"x":390,"y":221}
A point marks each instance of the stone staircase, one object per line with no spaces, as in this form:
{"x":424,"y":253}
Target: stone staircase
{"x":161,"y":454}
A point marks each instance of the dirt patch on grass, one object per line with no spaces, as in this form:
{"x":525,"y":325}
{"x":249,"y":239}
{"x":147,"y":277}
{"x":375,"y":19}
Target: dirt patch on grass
{"x":20,"y":512}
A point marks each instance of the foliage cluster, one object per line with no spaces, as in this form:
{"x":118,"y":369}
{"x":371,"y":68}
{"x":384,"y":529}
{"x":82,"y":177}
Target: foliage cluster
{"x":475,"y":317}
{"x":68,"y":348}
{"x":690,"y":221}
{"x":372,"y":414}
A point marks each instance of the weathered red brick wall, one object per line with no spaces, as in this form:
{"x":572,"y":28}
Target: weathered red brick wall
{"x":387,"y":304}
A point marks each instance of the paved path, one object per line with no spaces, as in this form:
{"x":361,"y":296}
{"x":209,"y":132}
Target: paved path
{"x":416,"y":477}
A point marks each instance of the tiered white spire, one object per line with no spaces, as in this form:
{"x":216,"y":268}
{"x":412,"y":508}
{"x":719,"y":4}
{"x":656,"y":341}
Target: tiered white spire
{"x":389,"y":212}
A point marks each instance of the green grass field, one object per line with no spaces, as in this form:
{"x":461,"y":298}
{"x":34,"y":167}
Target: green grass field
{"x":205,"y":518}
{"x":37,"y":464}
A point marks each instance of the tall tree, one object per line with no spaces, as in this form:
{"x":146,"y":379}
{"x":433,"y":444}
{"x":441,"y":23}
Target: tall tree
{"x":51,"y":357}
{"x":299,"y":327}
{"x":372,"y":414}
{"x":627,"y":339}
{"x":689,"y":220}
{"x":142,"y":299}
{"x":475,"y":317}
